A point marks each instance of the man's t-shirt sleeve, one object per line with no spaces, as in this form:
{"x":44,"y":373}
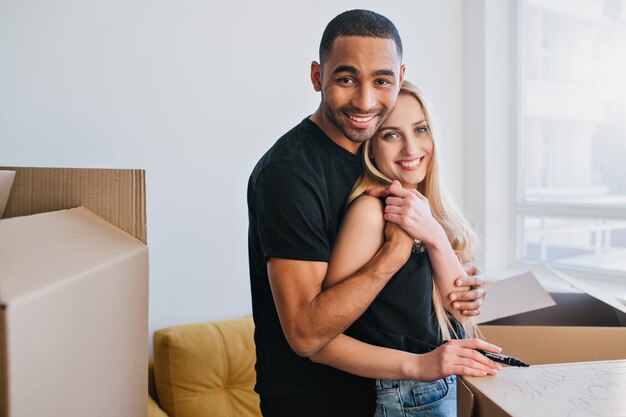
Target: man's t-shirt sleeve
{"x":290,"y":214}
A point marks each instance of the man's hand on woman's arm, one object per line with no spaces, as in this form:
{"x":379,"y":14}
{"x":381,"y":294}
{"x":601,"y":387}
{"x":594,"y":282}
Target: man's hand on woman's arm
{"x":316,"y":301}
{"x":469,"y":301}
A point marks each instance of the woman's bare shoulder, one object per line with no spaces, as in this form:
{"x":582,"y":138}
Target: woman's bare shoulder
{"x":360,"y":236}
{"x":368,"y":201}
{"x":366,"y":211}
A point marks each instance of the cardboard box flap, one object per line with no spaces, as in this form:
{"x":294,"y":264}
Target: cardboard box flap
{"x":43,"y":250}
{"x":592,"y":291}
{"x":515,"y":295}
{"x":116,"y":195}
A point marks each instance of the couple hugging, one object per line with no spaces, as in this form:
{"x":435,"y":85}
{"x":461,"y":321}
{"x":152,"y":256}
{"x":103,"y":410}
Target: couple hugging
{"x":362,"y":288}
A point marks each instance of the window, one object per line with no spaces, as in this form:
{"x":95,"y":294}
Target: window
{"x":571,"y":188}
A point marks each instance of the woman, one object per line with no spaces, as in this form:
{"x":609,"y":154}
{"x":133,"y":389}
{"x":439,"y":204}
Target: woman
{"x":410,"y":314}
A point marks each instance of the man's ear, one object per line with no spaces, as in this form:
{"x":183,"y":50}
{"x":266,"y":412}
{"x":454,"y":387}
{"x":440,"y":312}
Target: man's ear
{"x":316,"y":76}
{"x":402,"y":69}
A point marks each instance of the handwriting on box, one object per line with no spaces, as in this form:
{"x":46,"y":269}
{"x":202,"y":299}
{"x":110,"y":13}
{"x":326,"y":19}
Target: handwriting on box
{"x":570,"y":389}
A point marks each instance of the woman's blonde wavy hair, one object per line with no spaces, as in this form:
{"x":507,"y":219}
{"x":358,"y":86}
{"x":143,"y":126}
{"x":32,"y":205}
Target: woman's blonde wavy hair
{"x":458,"y":230}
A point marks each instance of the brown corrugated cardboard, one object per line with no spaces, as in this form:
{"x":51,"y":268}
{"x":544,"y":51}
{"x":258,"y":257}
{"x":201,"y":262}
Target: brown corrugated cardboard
{"x":578,"y":328}
{"x":6,"y":181}
{"x":116,"y":195}
{"x":73,"y":296}
{"x":554,"y":344}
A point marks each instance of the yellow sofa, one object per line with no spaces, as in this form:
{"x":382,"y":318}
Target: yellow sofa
{"x":204,"y":370}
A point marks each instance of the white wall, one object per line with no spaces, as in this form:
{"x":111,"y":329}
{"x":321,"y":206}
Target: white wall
{"x":194,"y":92}
{"x":489,"y":84}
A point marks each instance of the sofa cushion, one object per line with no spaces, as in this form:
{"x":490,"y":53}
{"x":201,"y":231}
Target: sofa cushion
{"x":153,"y":409}
{"x":207,"y":369}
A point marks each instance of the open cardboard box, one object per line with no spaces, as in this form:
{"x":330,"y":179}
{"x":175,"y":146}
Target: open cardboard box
{"x":578,"y":327}
{"x":74,"y":294}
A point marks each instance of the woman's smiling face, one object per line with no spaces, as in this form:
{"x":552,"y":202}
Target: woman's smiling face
{"x":402,"y":148}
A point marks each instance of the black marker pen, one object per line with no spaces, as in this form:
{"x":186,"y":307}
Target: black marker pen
{"x":507,"y":360}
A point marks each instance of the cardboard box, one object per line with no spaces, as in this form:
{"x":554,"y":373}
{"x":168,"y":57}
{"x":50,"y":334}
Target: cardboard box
{"x":73,"y":295}
{"x":579,"y":328}
{"x":568,"y":390}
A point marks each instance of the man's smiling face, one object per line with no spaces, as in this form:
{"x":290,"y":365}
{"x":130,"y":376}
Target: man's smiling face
{"x":359,"y":83}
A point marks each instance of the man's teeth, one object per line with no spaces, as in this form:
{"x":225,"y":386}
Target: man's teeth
{"x":409,"y":164}
{"x":361,"y":119}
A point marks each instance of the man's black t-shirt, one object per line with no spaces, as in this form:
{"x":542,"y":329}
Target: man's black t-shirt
{"x":296,"y":200}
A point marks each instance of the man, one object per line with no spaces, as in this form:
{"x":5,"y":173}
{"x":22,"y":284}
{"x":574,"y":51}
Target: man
{"x":296,"y":198}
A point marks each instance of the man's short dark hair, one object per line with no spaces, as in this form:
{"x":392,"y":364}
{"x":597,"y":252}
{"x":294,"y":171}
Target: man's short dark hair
{"x":358,"y":23}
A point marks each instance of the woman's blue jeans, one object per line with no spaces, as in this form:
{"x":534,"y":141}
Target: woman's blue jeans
{"x":412,"y":398}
